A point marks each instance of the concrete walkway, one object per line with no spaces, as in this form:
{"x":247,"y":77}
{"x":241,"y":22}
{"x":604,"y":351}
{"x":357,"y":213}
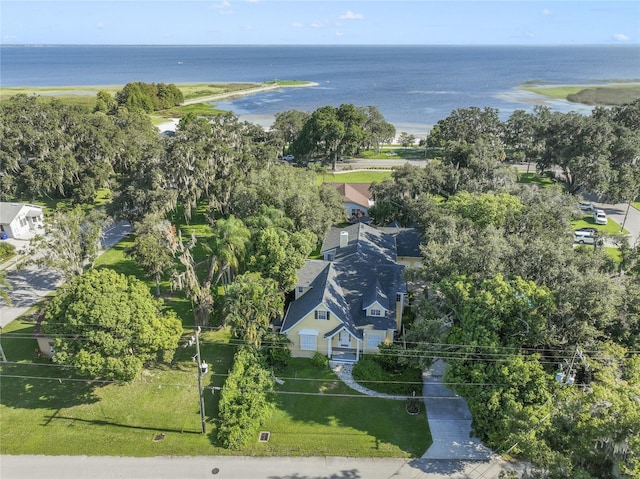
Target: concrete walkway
{"x":448,"y":415}
{"x":450,"y":421}
{"x":344,"y":372}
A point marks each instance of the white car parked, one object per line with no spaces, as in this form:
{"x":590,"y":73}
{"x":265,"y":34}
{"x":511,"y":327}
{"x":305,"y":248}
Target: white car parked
{"x":600,"y":217}
{"x":584,"y":237}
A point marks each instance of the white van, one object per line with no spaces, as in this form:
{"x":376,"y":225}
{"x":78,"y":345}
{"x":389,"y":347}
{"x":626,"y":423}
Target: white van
{"x":600,"y":217}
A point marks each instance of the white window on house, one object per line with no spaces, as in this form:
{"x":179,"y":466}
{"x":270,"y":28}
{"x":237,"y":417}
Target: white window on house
{"x":373,"y":340}
{"x":399,"y":298}
{"x":322,"y":315}
{"x":355,"y":211}
{"x":375,"y":312}
{"x":23,"y":222}
{"x":308,"y":342}
{"x":300,"y":289}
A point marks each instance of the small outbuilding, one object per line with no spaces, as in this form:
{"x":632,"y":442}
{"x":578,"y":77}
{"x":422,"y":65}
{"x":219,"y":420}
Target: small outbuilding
{"x":20,"y":220}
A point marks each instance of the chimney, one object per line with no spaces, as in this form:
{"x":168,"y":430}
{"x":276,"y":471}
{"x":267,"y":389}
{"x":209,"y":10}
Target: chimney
{"x":344,"y":239}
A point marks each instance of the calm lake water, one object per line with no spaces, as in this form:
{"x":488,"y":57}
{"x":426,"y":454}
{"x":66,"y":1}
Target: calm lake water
{"x":413,"y":86}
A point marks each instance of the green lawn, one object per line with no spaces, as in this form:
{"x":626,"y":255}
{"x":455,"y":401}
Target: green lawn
{"x":334,"y":420}
{"x":49,"y":410}
{"x":536,"y":179}
{"x":368,"y":176}
{"x":399,"y":153}
{"x":610,"y":229}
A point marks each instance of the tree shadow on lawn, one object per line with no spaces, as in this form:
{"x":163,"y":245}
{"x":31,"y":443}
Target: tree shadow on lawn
{"x":29,"y":382}
{"x":27,"y":387}
{"x":101,"y":422}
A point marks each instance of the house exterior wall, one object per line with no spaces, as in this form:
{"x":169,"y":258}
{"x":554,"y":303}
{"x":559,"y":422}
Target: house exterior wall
{"x":310,"y":324}
{"x":27,"y":219}
{"x":385,"y":336}
{"x":349,"y":206}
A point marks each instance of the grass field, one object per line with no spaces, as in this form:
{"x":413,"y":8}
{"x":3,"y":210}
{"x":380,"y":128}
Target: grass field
{"x":46,"y":409}
{"x":610,"y":229}
{"x":365,"y":176}
{"x":609,"y":94}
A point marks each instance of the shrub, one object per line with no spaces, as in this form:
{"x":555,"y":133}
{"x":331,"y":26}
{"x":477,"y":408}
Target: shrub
{"x":320,"y":361}
{"x":244,"y":405}
{"x":370,"y":372}
{"x":275,"y":350}
{"x":7,"y":250}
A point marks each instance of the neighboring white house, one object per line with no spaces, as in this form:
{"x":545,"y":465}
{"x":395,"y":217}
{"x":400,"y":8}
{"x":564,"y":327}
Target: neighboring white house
{"x":20,"y":220}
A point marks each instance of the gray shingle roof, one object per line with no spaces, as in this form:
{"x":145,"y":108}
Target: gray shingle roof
{"x":362,"y":272}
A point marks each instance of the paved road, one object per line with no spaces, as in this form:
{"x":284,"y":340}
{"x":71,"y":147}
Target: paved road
{"x":234,"y":467}
{"x":33,"y":283}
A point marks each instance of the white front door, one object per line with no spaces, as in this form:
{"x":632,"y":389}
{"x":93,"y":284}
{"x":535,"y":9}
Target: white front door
{"x":344,"y":339}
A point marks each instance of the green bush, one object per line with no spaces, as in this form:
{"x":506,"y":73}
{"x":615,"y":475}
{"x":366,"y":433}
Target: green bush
{"x":7,"y":250}
{"x":244,"y":404}
{"x":320,"y":361}
{"x":370,"y":372}
{"x":275,"y":350}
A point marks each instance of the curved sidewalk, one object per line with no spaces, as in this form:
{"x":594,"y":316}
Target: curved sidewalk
{"x":448,"y":415}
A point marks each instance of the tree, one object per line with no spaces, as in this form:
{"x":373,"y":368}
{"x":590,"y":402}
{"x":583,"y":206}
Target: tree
{"x":468,"y":125}
{"x":72,"y":241}
{"x":279,"y":255}
{"x":406,"y":139}
{"x":230,"y":245}
{"x":108,"y":326}
{"x":250,"y":304}
{"x":579,"y":146}
{"x":378,"y":130}
{"x":288,"y":125}
{"x":154,"y":247}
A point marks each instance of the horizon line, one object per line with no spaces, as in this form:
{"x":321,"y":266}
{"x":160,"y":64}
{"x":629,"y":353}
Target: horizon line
{"x":35,"y":45}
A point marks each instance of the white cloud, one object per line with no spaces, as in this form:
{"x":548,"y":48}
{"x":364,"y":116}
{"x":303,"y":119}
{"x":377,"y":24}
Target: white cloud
{"x":546,"y":12}
{"x":297,"y":25}
{"x":316,"y":25}
{"x":351,"y":16}
{"x":339,"y":34}
{"x":621,"y":37}
{"x":100,"y":25}
{"x":223,"y":7}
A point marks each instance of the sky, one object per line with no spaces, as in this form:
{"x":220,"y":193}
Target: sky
{"x":322,"y":22}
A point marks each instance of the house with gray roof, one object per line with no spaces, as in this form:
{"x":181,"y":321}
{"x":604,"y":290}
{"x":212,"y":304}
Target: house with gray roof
{"x":20,"y":220}
{"x":351,"y":301}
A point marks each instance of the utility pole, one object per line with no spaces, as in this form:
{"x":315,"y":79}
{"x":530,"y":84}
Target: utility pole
{"x":202,"y":422}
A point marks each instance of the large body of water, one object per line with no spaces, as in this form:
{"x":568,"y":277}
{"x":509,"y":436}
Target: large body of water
{"x":413,"y":86}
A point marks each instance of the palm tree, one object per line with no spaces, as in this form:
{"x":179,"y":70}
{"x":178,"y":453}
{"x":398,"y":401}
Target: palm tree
{"x":250,"y":304}
{"x":229,"y":249}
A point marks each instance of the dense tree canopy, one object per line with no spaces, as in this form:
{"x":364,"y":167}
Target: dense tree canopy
{"x":107,"y":325}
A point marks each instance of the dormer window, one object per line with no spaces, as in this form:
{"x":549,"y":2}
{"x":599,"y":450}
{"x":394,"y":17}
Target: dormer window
{"x":375,"y":312}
